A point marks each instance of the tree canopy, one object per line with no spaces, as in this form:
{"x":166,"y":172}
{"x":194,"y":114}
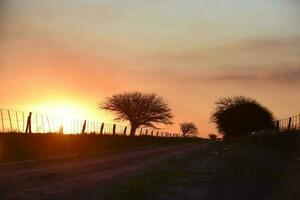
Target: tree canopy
{"x":188,"y":128}
{"x":139,"y":109}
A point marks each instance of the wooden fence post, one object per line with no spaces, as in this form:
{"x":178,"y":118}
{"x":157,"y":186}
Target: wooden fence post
{"x":17,"y":121}
{"x":61,"y":129}
{"x":23,"y":124}
{"x":48,"y":123}
{"x":83,"y":127}
{"x":152,"y":133}
{"x":125,"y":129}
{"x":290,"y":122}
{"x":277,"y":126}
{"x":114,"y":129}
{"x":36,"y":123}
{"x":9,"y":120}
{"x":43,"y":127}
{"x":28,"y":126}
{"x":146,"y":132}
{"x":2,"y":120}
{"x":299,"y":122}
{"x":102,"y":127}
{"x":141,"y":131}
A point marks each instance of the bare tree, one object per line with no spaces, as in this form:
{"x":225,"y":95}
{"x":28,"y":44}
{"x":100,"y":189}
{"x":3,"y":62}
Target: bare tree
{"x":188,"y":128}
{"x":139,"y":109}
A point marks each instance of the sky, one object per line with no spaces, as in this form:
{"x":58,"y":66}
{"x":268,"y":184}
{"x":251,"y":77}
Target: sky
{"x":66,"y":56}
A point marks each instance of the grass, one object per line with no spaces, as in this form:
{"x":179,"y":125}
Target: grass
{"x":18,"y":146}
{"x":252,"y":167}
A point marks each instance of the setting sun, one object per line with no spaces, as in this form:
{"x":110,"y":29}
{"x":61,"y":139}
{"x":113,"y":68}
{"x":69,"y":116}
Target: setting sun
{"x":136,"y":99}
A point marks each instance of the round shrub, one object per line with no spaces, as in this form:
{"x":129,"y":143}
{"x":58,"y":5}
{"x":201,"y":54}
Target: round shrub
{"x":237,"y":116}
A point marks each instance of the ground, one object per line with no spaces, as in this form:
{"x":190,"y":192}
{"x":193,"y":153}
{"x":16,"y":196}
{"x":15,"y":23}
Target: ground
{"x":250,"y":168}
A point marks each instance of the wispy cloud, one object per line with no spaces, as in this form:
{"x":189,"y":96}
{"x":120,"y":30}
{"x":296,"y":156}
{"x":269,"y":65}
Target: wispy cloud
{"x":285,"y":76}
{"x":291,"y":76}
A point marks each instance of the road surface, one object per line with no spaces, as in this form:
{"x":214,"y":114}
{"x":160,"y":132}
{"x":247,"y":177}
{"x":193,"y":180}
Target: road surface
{"x":82,"y":177}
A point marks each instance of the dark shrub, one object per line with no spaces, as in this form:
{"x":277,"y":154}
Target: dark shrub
{"x":212,"y":136}
{"x":237,"y":116}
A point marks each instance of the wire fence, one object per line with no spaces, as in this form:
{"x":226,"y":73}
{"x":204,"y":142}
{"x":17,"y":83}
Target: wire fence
{"x":29,"y":122}
{"x":289,"y":123}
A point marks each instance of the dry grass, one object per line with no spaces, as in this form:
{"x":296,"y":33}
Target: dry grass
{"x":16,"y":146}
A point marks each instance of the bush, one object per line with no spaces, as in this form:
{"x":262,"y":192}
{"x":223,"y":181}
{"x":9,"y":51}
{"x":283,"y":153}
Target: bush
{"x":237,"y":116}
{"x":212,"y":136}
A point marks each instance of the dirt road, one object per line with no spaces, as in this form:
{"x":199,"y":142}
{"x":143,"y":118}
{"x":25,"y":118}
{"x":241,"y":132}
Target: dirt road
{"x":81,"y":177}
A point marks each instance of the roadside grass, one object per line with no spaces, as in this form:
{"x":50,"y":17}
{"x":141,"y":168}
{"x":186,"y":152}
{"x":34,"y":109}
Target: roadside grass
{"x":157,"y":180}
{"x":18,"y":147}
{"x":146,"y":184}
{"x":248,"y":168}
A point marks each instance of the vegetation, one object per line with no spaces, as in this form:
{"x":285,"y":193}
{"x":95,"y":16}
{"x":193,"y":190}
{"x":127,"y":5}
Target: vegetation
{"x":188,"y":128}
{"x":237,"y":116}
{"x":212,"y":136}
{"x":16,"y":146}
{"x":251,"y":167}
{"x":139,"y":109}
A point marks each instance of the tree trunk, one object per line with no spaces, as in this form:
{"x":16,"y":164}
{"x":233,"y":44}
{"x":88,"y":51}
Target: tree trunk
{"x":132,"y":130}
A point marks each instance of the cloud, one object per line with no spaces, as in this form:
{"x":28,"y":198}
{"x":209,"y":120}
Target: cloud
{"x":284,"y":76}
{"x":269,"y":44}
{"x":290,"y":76}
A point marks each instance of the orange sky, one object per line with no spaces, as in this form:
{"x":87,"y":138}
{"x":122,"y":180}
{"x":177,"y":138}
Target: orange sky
{"x":72,"y":54}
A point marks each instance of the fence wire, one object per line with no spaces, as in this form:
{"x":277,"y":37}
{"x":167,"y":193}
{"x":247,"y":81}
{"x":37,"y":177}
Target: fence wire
{"x":17,"y":121}
{"x":289,"y":123}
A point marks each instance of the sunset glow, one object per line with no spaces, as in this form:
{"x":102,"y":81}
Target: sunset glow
{"x":64,"y":57}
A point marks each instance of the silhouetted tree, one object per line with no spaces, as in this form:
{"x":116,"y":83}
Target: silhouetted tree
{"x":239,"y":115}
{"x":212,"y":136}
{"x":139,"y":109}
{"x":188,"y":128}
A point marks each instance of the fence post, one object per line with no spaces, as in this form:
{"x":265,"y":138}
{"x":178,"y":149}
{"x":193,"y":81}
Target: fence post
{"x":299,"y":122}
{"x":36,"y":123}
{"x":157,"y":133}
{"x":43,"y":127}
{"x":114,"y":129}
{"x":28,"y":126}
{"x":146,"y":132}
{"x":102,"y":127}
{"x":290,"y":122}
{"x":83,"y":127}
{"x":48,"y":123}
{"x":141,"y":131}
{"x":125,"y":129}
{"x":152,"y":133}
{"x":61,"y":129}
{"x":277,"y":126}
{"x":2,"y":120}
{"x":17,"y":121}
{"x":23,"y":122}
{"x":9,"y":120}
{"x":94,"y":127}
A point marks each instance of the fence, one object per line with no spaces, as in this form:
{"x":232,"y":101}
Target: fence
{"x":289,"y":123}
{"x":29,"y":122}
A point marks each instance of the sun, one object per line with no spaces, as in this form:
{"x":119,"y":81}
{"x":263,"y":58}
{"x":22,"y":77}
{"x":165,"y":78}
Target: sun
{"x":68,"y":113}
{"x":66,"y":116}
